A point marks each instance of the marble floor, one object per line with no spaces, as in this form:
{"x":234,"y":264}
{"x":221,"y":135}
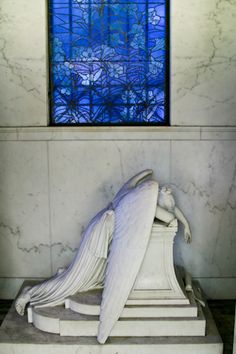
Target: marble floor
{"x":223,"y":312}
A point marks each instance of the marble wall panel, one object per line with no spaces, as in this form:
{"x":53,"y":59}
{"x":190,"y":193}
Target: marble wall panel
{"x":85,"y":175}
{"x":23,"y":68}
{"x":203,"y":50}
{"x":24,"y":213}
{"x":203,"y":175}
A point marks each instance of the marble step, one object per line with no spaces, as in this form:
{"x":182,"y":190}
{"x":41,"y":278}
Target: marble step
{"x":68,"y":323}
{"x":88,"y":303}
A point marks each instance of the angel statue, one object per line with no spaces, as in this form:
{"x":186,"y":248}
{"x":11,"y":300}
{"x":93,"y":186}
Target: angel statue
{"x":114,"y":241}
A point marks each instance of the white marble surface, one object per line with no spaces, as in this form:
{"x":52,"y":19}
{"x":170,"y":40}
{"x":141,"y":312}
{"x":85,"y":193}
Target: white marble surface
{"x":203,"y":175}
{"x":23,"y":69}
{"x":24,"y":212}
{"x":203,"y":50}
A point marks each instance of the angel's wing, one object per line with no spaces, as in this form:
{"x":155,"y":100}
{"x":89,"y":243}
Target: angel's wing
{"x":131,"y":183}
{"x":134,"y":217}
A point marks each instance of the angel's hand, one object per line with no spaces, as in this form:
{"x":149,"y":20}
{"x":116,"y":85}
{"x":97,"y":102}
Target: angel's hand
{"x":187,"y":235}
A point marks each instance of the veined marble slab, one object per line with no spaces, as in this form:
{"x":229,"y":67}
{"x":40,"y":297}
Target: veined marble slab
{"x":24,"y":210}
{"x":23,"y":63}
{"x":203,"y":176}
{"x":203,"y":62}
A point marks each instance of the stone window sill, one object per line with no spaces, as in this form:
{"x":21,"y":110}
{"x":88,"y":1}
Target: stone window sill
{"x":117,"y":133}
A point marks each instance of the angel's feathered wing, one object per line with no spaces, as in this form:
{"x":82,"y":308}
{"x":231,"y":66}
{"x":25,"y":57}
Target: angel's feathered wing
{"x":134,"y":217}
{"x":130,"y":184}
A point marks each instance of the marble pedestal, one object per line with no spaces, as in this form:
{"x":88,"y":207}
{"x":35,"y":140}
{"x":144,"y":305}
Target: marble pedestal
{"x":157,"y":279}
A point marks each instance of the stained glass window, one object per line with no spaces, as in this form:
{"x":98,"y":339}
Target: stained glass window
{"x":109,"y":62}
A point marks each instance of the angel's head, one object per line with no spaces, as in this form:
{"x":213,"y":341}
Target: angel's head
{"x":166,"y":199}
{"x":166,"y":190}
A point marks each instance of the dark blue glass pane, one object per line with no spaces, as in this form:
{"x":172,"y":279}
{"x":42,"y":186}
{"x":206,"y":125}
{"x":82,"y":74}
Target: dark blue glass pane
{"x":108,"y":61}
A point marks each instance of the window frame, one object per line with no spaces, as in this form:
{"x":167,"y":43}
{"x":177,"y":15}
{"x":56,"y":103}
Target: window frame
{"x":129,"y":124}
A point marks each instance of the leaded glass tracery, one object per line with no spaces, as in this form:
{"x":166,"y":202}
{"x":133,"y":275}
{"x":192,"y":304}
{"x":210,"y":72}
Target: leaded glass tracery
{"x":109,"y":61}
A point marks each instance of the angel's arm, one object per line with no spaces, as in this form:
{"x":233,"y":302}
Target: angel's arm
{"x":187,"y":232}
{"x":164,"y":215}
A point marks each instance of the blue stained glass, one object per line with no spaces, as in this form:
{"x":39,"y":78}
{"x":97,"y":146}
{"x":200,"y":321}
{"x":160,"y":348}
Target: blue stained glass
{"x":109,"y":62}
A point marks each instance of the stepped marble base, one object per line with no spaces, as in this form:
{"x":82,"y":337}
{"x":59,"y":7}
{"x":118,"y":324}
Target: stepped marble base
{"x":18,"y":336}
{"x":81,"y":318}
{"x":66,"y":323}
{"x":89,"y":304}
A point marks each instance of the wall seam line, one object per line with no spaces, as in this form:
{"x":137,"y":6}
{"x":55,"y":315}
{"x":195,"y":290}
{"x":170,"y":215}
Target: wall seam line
{"x":49,"y":206}
{"x":170,"y":163}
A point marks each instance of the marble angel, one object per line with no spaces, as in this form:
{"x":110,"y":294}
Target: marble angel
{"x":114,"y":241}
